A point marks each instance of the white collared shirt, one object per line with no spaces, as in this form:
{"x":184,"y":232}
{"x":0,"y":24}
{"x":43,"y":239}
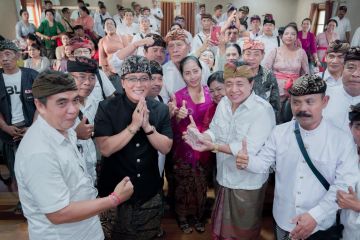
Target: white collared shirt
{"x":343,"y":27}
{"x":123,"y":29}
{"x":297,"y":190}
{"x":329,"y":79}
{"x":137,"y":37}
{"x":88,"y":146}
{"x":51,"y":174}
{"x":270,"y":43}
{"x":351,"y":219}
{"x":173,"y":81}
{"x":254,"y":119}
{"x":355,"y":41}
{"x":107,"y":87}
{"x":158,"y":12}
{"x":337,"y":110}
{"x":198,"y":41}
{"x":98,"y":26}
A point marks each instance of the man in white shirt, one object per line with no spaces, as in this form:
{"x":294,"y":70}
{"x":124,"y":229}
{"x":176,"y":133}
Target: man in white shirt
{"x":356,"y":38}
{"x":255,"y":31}
{"x":347,"y":94}
{"x":83,"y":71}
{"x":201,"y":37}
{"x":334,"y":58}
{"x":240,"y":115}
{"x":268,"y":37}
{"x":103,"y":87}
{"x":99,"y":20}
{"x":178,"y":47}
{"x":218,"y":16}
{"x":157,"y":13}
{"x":302,"y":204}
{"x":128,"y":28}
{"x":55,"y":189}
{"x":143,"y":31}
{"x":344,"y":27}
{"x":198,"y":25}
{"x":119,"y":17}
{"x":146,"y":13}
{"x":75,"y":14}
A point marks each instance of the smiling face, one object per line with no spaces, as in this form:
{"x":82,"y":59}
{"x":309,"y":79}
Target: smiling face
{"x":156,"y":85}
{"x":217,"y":91}
{"x":85,"y":82}
{"x":231,"y":54}
{"x":128,"y":17}
{"x":136,"y":85}
{"x":192,"y":74}
{"x":65,"y":39}
{"x":109,"y":26}
{"x":60,"y":110}
{"x":331,"y":26}
{"x":208,"y":58}
{"x":290,"y":36}
{"x":237,"y":89}
{"x":351,"y":77}
{"x":305,"y":26}
{"x":253,"y":57}
{"x":308,"y":109}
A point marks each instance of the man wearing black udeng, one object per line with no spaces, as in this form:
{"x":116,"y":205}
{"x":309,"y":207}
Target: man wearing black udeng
{"x":130,"y":129}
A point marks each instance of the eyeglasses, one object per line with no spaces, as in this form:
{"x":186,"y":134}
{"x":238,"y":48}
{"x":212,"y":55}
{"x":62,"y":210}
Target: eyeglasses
{"x":135,"y":79}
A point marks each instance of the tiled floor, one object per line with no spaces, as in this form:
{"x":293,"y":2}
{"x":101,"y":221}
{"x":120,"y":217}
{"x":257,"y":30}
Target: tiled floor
{"x":14,"y":227}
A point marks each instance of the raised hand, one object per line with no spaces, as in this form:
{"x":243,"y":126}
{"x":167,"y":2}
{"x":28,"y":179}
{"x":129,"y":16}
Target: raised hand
{"x":173,"y":109}
{"x":242,"y":158}
{"x":84,"y":130}
{"x":124,"y":189}
{"x":348,"y":200}
{"x":192,"y":122}
{"x":183,"y":111}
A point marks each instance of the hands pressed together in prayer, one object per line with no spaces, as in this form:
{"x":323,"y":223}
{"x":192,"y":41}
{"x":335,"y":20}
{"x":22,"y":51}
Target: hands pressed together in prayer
{"x":84,"y":130}
{"x":140,"y":117}
{"x":348,"y":200}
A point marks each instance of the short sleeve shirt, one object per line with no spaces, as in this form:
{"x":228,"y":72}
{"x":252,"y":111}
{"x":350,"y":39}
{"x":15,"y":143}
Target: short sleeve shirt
{"x":138,"y":159}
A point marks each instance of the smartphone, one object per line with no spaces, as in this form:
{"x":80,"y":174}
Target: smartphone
{"x":215,"y":33}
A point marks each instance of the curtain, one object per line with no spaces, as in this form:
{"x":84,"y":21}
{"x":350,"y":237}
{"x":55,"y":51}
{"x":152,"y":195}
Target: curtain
{"x":328,"y":10}
{"x":314,"y":14}
{"x":168,"y":10}
{"x":188,"y":10}
{"x":23,"y":4}
{"x":38,"y":10}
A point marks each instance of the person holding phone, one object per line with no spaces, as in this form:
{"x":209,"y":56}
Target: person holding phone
{"x":204,"y":35}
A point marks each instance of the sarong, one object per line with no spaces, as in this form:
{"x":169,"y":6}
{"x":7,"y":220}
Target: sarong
{"x":237,"y":213}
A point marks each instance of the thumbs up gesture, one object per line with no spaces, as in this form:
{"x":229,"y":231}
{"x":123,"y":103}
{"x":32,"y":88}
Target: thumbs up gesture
{"x":173,"y":109}
{"x":348,"y":200}
{"x":84,"y":130}
{"x":183,"y":111}
{"x":242,"y":158}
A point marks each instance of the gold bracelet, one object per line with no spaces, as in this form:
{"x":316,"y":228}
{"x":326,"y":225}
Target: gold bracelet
{"x":131,"y":131}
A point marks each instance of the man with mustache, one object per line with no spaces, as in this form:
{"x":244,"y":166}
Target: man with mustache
{"x":302,"y":204}
{"x":343,"y":96}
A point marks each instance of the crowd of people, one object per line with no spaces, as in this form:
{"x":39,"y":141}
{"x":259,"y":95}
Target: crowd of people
{"x":97,"y":110}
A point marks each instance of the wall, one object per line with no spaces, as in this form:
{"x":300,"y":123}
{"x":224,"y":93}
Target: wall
{"x":303,"y":9}
{"x":110,"y":4}
{"x":282,"y":10}
{"x":8,"y":18}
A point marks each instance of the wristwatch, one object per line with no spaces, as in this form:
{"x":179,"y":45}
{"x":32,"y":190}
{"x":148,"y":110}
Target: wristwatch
{"x":151,"y":131}
{"x":216,"y":148}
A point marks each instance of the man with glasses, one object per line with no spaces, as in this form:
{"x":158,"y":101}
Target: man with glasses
{"x":83,"y":71}
{"x":334,"y":58}
{"x":130,"y":129}
{"x":347,"y":94}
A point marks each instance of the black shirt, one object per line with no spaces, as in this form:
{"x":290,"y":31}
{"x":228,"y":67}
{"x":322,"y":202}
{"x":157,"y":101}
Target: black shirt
{"x":138,"y":159}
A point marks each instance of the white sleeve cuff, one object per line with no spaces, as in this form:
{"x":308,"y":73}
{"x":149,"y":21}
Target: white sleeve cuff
{"x":318,"y":214}
{"x":212,"y":136}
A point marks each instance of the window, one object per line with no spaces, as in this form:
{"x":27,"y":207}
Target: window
{"x":320,"y":22}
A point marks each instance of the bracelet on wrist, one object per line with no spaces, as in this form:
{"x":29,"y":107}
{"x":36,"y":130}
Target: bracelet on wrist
{"x":152,"y":130}
{"x":216,"y":148}
{"x":115,"y":198}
